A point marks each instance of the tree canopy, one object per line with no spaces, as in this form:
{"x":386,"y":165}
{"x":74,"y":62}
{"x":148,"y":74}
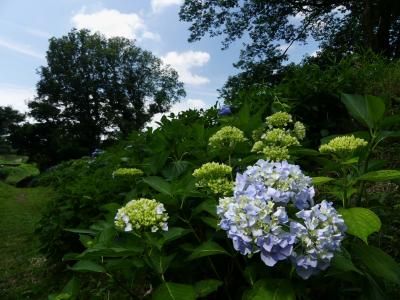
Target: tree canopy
{"x":93,"y":87}
{"x":271,"y":26}
{"x":9,"y":119}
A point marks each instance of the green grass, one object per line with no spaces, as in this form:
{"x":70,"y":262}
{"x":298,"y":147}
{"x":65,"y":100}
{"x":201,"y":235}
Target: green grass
{"x":22,"y":269}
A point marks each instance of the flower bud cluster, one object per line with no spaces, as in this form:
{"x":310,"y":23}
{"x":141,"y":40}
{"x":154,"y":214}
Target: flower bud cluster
{"x":343,"y":146}
{"x":214,"y":176}
{"x":142,"y":214}
{"x":127,"y":172}
{"x":227,"y":138}
{"x":257,"y":221}
{"x":281,"y":134}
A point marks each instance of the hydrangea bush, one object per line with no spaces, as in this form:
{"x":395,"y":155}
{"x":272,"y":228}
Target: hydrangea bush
{"x":239,"y":226}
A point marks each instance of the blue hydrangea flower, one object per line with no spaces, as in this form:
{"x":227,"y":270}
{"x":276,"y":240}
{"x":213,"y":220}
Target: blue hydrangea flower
{"x":319,"y":235}
{"x":255,"y":225}
{"x":279,"y":182}
{"x":224,"y":110}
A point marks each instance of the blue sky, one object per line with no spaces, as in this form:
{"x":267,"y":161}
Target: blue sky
{"x":26,"y":26}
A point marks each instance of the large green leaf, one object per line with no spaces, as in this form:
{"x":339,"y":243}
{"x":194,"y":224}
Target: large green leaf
{"x":159,"y":184}
{"x":381,"y":175}
{"x":361,"y":222}
{"x":174,"y":291}
{"x":342,"y":262}
{"x":271,"y":289}
{"x":207,"y":249}
{"x":378,"y":262}
{"x":87,"y":266}
{"x":159,"y":262}
{"x":206,"y":287}
{"x":368,"y":110}
{"x":173,"y":233}
{"x":209,"y":205}
{"x":321,"y":180}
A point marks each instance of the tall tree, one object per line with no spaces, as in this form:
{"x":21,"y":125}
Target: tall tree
{"x":9,"y":119}
{"x":93,"y":86}
{"x":269,"y":27}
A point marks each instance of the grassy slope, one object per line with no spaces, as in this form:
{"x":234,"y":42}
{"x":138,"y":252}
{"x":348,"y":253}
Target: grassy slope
{"x":22,"y":269}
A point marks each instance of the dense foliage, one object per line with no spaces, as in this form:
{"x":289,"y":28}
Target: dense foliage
{"x":9,"y":119}
{"x":93,"y":88}
{"x":140,"y":256}
{"x":338,"y":25}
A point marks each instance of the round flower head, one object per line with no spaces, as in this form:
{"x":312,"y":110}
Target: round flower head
{"x":299,"y":130}
{"x":279,"y":119}
{"x":276,"y":153}
{"x":256,"y":226}
{"x":319,"y":234}
{"x":343,"y":146}
{"x":127,"y":172}
{"x":280,"y":137}
{"x":142,"y":214}
{"x":227,"y":137}
{"x":214,"y":176}
{"x":279,"y":182}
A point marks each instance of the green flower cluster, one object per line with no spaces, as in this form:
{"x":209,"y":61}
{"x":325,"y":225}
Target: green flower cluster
{"x":280,"y":120}
{"x":343,"y":146}
{"x":141,"y":215}
{"x":227,"y":137}
{"x":127,"y":172}
{"x":214,"y":176}
{"x":281,"y":134}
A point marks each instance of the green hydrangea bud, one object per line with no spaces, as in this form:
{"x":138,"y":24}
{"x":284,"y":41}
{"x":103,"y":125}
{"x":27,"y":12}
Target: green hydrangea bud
{"x":227,"y":137}
{"x":299,"y":130}
{"x":280,"y":137}
{"x":127,"y":172}
{"x":280,"y":119}
{"x":343,"y":146}
{"x":276,"y":153}
{"x":214,"y":176}
{"x":141,"y":215}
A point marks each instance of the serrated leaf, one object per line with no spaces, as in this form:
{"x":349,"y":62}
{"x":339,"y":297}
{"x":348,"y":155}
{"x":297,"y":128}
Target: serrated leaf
{"x":321,"y":180}
{"x":378,"y":262}
{"x":342,"y":261}
{"x":159,"y":184}
{"x":206,"y":287}
{"x":360,"y":222}
{"x":271,"y":289}
{"x":381,"y":175}
{"x":174,"y":291}
{"x":160,"y":263}
{"x":207,"y":249}
{"x":87,"y":266}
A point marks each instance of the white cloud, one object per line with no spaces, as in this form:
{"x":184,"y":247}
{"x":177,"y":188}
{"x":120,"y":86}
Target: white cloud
{"x":183,"y":63}
{"x":112,"y":23}
{"x":16,"y":96}
{"x":20,"y":48}
{"x":177,"y":108}
{"x":158,"y":5}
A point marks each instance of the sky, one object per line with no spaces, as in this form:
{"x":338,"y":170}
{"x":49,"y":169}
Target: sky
{"x":26,"y":26}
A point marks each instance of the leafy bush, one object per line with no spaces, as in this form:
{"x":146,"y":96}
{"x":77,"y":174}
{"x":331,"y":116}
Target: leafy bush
{"x":193,"y":258}
{"x":15,"y":174}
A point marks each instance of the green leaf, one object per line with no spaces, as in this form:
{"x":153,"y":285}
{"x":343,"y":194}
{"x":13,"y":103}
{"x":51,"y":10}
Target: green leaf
{"x":378,"y":262}
{"x":381,"y":175}
{"x":77,"y":230}
{"x":361,"y":222}
{"x":209,"y":205}
{"x":207,"y":249}
{"x":389,"y":121}
{"x":368,"y":110}
{"x":342,"y":261}
{"x":206,"y":287}
{"x":321,"y":180}
{"x":87,"y":266}
{"x":72,"y":287}
{"x":211,"y":221}
{"x":159,"y":262}
{"x":159,"y":184}
{"x":271,"y":289}
{"x":174,"y":291}
{"x":173,"y":233}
